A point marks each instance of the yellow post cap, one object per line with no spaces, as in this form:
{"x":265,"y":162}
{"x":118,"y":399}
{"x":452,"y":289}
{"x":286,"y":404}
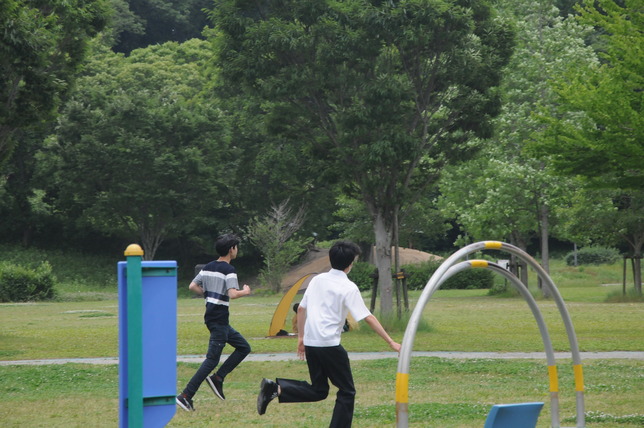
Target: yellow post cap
{"x":133,"y":250}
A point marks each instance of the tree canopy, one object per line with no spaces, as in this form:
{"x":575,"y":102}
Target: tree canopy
{"x":136,"y":153}
{"x":605,"y":142}
{"x":42,"y":45}
{"x":384,"y":93}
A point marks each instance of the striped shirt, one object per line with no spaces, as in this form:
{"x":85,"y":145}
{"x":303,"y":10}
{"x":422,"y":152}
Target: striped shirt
{"x":216,"y":278}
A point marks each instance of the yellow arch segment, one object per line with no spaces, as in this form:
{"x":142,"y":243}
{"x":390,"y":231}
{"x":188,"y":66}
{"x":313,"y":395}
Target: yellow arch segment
{"x":478,"y":263}
{"x":493,"y":245}
{"x":554,"y":379}
{"x":402,"y":388}
{"x":279,"y":317}
{"x":579,"y":378}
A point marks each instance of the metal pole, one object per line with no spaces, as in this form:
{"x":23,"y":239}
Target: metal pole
{"x":133,"y":254}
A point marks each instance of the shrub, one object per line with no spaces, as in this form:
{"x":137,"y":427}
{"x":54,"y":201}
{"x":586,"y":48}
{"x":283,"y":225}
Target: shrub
{"x":469,"y":279}
{"x":361,"y":273}
{"x":419,"y":274}
{"x":21,"y":284}
{"x":593,"y":256}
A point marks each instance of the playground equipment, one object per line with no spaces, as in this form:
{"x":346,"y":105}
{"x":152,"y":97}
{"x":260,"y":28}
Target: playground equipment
{"x":147,"y":340}
{"x":513,"y":415}
{"x":284,"y":306}
{"x":453,"y":265}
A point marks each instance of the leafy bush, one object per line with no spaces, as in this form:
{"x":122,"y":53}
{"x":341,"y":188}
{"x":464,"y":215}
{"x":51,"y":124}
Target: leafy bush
{"x":419,"y":274}
{"x":21,"y":284}
{"x":361,"y":273}
{"x":469,"y":279}
{"x":593,"y":256}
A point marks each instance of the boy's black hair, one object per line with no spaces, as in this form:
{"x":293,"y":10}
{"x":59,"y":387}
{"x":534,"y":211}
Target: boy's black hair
{"x":342,"y":254}
{"x":224,"y":243}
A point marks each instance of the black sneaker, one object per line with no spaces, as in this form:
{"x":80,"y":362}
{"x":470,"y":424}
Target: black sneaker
{"x":217,"y":386}
{"x":267,"y":392}
{"x":185,"y":403}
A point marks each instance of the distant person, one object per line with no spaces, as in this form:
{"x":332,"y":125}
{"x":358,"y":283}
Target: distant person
{"x":321,"y":315}
{"x":217,"y":282}
{"x":294,"y":320}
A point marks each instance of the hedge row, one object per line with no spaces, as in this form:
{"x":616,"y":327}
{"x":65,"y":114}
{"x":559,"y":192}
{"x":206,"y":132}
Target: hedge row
{"x":418,"y":275}
{"x":21,"y":284}
{"x":593,"y":256}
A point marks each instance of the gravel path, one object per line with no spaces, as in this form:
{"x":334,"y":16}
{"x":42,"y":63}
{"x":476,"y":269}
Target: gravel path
{"x":628,"y":355}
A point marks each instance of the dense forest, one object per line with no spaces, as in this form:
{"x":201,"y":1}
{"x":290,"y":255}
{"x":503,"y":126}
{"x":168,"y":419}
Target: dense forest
{"x":421,"y":123}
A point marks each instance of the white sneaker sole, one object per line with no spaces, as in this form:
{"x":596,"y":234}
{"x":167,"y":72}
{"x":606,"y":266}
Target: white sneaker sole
{"x":211,"y":384}
{"x":184,"y":407}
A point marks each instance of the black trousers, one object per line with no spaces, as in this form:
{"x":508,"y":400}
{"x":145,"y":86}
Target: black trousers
{"x":220,"y":335}
{"x":325,"y":364}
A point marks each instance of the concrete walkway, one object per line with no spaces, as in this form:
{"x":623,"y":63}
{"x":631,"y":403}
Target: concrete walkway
{"x":626,"y":355}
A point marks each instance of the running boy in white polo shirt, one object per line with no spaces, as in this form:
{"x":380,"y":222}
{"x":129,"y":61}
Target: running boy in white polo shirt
{"x":321,"y":316}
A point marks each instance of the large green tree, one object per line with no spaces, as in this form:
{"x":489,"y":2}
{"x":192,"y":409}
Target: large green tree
{"x":137,"y":154}
{"x":42,"y":45}
{"x":605,"y":144}
{"x":384,"y":94}
{"x":508,"y":192}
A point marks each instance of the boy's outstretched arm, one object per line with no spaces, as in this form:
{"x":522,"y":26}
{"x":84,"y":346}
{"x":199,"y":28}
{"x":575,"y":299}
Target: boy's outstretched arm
{"x":377,"y":327}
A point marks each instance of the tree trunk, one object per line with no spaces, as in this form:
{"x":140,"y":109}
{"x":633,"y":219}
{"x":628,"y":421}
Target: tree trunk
{"x":545,"y":249}
{"x":637,"y":266}
{"x":382,"y":232}
{"x":520,"y":243}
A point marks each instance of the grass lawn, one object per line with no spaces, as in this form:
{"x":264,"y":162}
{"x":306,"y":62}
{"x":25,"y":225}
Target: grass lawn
{"x":443,"y":393}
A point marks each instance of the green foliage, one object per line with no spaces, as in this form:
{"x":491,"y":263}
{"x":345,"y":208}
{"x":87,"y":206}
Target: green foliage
{"x":604,"y":143}
{"x":593,"y":256}
{"x":631,"y":296}
{"x":22,"y":284}
{"x":362,"y":273}
{"x":157,"y":151}
{"x":42,"y":44}
{"x":141,"y":23}
{"x":419,"y":274}
{"x":382,"y":94}
{"x":470,"y":279}
{"x":502,"y":193}
{"x":273,"y":236}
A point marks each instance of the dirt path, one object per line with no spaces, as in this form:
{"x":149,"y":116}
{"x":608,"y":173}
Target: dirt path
{"x":622,"y":355}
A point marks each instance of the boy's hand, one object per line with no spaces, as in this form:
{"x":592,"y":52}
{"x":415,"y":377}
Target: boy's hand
{"x":300,"y":349}
{"x":246,"y":289}
{"x":395,"y":346}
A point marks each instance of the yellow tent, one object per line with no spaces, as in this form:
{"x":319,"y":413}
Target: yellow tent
{"x":279,"y":317}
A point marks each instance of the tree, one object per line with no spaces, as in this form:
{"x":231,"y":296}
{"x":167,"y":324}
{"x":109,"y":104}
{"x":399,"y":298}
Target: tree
{"x":604,"y":143}
{"x":384,"y":93}
{"x":42,"y":45}
{"x":137,"y":154}
{"x":141,"y":23}
{"x":508,"y":192}
{"x":273,"y":236}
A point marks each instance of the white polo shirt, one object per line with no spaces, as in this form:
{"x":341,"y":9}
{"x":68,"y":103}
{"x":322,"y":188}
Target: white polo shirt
{"x":328,"y":299}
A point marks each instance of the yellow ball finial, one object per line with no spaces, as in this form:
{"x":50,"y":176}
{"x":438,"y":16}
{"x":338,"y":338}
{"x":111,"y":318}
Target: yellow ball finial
{"x":133,"y":250}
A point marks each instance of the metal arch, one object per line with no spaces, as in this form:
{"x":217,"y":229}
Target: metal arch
{"x":402,"y":377}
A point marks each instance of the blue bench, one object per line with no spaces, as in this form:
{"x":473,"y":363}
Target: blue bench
{"x":519,"y":415}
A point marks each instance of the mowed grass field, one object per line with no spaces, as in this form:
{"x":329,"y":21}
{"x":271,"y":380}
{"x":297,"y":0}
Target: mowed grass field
{"x":443,"y":392}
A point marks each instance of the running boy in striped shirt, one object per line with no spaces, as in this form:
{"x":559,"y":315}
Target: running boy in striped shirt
{"x":217,"y":283}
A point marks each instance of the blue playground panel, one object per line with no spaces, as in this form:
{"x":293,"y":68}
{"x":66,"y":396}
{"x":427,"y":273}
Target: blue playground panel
{"x":519,"y":415}
{"x":159,"y":337}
